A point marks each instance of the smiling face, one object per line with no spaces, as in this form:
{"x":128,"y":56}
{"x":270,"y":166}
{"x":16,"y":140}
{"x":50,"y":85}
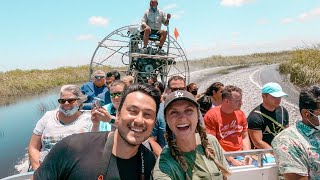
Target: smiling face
{"x":182,"y":118}
{"x":136,"y":118}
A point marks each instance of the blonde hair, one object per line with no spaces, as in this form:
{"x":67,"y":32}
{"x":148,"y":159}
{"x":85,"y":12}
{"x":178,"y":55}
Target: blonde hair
{"x":128,"y":79}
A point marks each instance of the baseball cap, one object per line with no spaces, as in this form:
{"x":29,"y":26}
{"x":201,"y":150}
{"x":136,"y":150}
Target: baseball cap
{"x":179,"y":95}
{"x":274,"y":89}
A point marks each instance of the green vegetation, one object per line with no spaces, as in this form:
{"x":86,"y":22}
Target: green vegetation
{"x":303,"y":67}
{"x":257,"y":58}
{"x":17,"y":83}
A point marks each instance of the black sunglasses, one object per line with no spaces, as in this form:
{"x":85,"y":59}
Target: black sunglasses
{"x":118,"y":94}
{"x":99,"y":77}
{"x":70,"y":101}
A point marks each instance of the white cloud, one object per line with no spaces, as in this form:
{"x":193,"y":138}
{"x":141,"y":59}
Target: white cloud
{"x":287,"y":20}
{"x":314,"y":13}
{"x":262,"y":21}
{"x":170,"y":6}
{"x":98,"y":21}
{"x":85,"y":37}
{"x":305,"y":16}
{"x":235,"y":2}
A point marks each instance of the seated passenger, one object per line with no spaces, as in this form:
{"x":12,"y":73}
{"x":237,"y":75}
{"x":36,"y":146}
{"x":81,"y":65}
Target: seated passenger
{"x":193,"y":89}
{"x":151,"y":23}
{"x":189,"y":155}
{"x":128,"y":80}
{"x":269,"y":118}
{"x":297,"y":147}
{"x":94,"y":88}
{"x":104,"y":117}
{"x":157,"y":139}
{"x":109,"y":155}
{"x":205,"y":104}
{"x":229,"y":125}
{"x":57,"y":124}
{"x":215,"y":93}
{"x":112,"y":76}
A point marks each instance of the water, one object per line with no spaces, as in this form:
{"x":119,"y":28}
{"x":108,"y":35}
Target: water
{"x":17,"y":122}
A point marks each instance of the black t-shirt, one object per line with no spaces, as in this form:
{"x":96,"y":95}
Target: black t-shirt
{"x":78,"y":157}
{"x":258,"y":122}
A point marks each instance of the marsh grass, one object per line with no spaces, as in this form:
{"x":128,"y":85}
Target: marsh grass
{"x":252,"y":59}
{"x":18,"y":83}
{"x":303,"y":67}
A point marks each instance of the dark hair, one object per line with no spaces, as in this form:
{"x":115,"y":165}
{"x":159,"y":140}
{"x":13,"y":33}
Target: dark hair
{"x":309,"y":98}
{"x":115,"y":73}
{"x":189,"y":86}
{"x":205,"y":104}
{"x":214,"y":87}
{"x":144,"y":88}
{"x":175,"y":78}
{"x":227,"y":91}
{"x":160,"y":86}
{"x":209,"y":151}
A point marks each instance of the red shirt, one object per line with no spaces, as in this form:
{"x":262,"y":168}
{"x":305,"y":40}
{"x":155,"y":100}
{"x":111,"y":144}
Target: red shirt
{"x":227,"y":128}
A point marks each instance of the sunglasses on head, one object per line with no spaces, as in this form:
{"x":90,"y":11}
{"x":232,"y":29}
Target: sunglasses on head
{"x":118,"y":94}
{"x":99,"y":77}
{"x":70,"y":101}
{"x":176,"y":89}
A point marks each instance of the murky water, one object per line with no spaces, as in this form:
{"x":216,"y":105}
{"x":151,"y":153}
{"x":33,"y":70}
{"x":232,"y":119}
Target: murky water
{"x":16,"y":125}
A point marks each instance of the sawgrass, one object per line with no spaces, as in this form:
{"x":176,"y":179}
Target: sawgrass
{"x":303,"y":68}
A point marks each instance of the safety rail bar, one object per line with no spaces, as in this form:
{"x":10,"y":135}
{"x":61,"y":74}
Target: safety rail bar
{"x":259,"y":152}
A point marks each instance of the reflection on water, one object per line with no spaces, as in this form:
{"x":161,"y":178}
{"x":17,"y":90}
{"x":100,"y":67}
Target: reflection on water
{"x":17,"y":122}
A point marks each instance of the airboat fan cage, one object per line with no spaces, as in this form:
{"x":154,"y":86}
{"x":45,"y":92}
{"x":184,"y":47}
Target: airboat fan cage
{"x":120,"y":50}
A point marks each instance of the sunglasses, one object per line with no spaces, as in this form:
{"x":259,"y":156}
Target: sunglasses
{"x":70,"y":101}
{"x":99,"y":77}
{"x":176,"y":89}
{"x":118,"y":94}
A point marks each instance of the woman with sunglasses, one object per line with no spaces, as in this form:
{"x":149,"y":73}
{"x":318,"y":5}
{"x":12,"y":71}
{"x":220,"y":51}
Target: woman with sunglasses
{"x":59,"y":123}
{"x":104,"y":117}
{"x":191,"y":153}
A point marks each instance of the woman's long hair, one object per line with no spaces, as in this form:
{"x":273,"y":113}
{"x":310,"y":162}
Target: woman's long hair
{"x":209,"y":152}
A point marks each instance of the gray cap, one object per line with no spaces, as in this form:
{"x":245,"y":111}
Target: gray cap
{"x":179,"y":95}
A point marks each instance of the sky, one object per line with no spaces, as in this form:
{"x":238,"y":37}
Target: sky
{"x":39,"y":34}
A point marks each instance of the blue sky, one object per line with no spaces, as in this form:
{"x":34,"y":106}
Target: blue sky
{"x":48,"y":34}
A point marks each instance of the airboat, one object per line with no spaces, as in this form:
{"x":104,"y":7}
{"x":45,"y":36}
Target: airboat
{"x":121,"y":50}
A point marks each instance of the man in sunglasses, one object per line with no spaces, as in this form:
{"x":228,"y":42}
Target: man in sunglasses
{"x":151,"y":23}
{"x":157,"y":139}
{"x":109,"y":155}
{"x":93,"y":88}
{"x":296,"y":148}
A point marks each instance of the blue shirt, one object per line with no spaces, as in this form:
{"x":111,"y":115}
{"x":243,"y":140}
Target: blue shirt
{"x":104,"y":126}
{"x":160,"y":127}
{"x":93,"y":91}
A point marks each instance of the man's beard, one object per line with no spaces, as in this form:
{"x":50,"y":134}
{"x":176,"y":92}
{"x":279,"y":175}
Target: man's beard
{"x":126,"y":140}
